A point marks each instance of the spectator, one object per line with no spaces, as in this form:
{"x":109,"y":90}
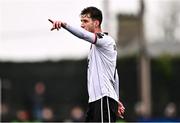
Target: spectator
{"x":47,"y":114}
{"x":170,"y":112}
{"x":38,"y":101}
{"x":22,"y":115}
{"x":77,"y":114}
{"x":4,"y":112}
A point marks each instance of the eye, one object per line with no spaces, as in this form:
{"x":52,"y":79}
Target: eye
{"x":82,"y":20}
{"x":85,"y":21}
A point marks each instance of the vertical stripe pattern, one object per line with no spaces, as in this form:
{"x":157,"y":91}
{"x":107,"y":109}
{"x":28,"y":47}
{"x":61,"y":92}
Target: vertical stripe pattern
{"x":102,"y":110}
{"x":109,"y":115}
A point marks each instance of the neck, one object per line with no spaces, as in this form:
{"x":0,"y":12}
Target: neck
{"x":97,"y":30}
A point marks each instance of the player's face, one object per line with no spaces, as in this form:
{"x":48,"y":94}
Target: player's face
{"x":87,"y":23}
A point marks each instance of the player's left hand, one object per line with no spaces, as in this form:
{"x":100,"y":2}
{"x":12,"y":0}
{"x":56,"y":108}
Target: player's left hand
{"x":121,"y":110}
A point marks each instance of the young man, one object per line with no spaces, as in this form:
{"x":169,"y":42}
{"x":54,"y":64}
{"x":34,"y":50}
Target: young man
{"x":103,"y":83}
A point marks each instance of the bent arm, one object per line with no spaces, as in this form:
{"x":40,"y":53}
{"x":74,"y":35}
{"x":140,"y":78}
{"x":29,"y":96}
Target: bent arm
{"x":80,"y":33}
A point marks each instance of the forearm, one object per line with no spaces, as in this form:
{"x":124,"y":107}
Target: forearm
{"x":80,"y":33}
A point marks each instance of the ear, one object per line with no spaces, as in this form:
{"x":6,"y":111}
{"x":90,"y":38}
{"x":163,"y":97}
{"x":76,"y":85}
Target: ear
{"x":96,"y":23}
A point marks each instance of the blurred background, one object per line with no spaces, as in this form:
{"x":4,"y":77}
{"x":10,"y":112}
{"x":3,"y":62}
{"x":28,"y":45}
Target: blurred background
{"x":43,"y":73}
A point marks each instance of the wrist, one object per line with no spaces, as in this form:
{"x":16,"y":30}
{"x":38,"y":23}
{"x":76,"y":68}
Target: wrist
{"x":63,"y":24}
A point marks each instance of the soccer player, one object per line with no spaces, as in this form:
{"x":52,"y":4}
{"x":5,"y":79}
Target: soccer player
{"x":103,"y":82}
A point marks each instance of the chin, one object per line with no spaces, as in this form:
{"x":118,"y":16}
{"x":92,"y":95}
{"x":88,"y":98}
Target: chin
{"x":90,"y":31}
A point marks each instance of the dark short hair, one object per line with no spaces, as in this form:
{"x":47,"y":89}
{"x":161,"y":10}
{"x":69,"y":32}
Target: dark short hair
{"x":94,"y":13}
